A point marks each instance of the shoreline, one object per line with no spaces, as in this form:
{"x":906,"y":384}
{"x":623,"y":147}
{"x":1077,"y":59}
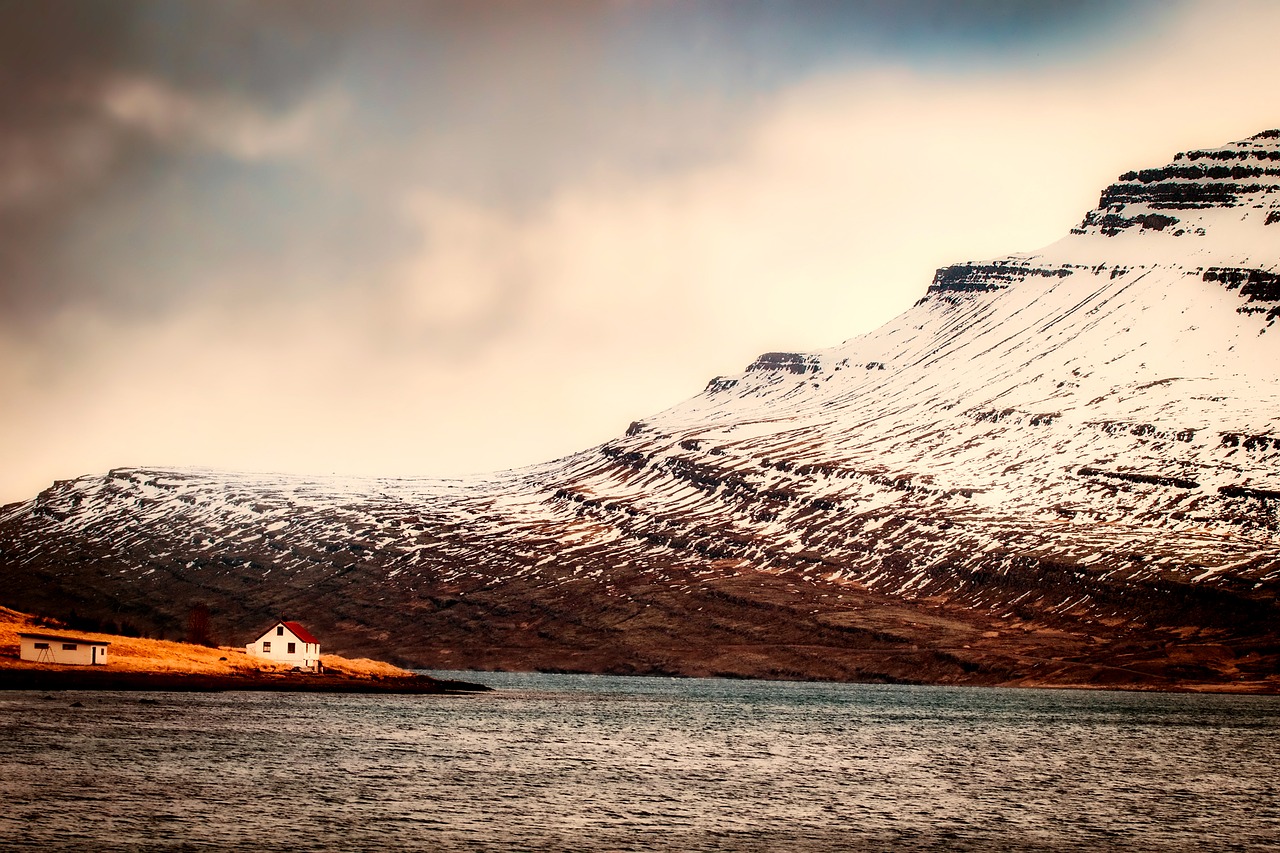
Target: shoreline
{"x":87,"y":678}
{"x":165,"y":682}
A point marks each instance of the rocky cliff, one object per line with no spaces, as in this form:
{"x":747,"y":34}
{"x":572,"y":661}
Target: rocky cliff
{"x":1058,"y":468}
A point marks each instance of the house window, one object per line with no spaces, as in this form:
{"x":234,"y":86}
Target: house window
{"x":293,"y":647}
{"x":279,"y":630}
{"x":68,"y":647}
{"x":266,"y":645}
{"x":42,"y":645}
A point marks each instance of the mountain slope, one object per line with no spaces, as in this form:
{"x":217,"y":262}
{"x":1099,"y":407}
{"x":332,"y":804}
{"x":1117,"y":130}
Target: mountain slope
{"x":1058,"y":467}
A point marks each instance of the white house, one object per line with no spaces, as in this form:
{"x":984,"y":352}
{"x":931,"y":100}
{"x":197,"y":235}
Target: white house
{"x":287,"y":642}
{"x":55,"y":648}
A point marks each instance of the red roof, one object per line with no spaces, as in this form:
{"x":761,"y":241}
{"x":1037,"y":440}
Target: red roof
{"x":302,"y":633}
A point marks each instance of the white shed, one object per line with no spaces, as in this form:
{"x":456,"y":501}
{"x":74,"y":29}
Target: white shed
{"x":56,"y":648}
{"x":287,"y":642}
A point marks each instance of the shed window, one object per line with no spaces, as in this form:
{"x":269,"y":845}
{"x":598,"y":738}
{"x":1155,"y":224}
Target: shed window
{"x":293,"y":647}
{"x":68,"y":647}
{"x":42,"y":645}
{"x":266,"y":645}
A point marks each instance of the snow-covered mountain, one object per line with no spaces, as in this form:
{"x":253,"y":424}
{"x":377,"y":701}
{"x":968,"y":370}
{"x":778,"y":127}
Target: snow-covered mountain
{"x":1057,"y":467}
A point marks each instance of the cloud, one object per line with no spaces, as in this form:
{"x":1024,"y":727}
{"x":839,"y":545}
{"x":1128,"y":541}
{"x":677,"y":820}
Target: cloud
{"x":221,"y":123}
{"x":357,"y":268}
{"x":118,"y":112}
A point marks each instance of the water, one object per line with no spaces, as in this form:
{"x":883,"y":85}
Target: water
{"x":602,"y":764}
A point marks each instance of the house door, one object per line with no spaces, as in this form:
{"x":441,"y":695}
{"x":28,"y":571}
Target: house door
{"x":95,"y":655}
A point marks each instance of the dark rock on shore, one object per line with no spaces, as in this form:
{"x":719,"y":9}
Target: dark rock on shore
{"x":97,"y":679}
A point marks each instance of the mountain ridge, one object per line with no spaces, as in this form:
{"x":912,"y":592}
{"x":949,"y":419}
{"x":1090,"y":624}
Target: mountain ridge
{"x":1057,"y":467}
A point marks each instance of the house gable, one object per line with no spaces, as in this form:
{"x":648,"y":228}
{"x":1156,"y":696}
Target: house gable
{"x":288,"y":643}
{"x":283,"y":631}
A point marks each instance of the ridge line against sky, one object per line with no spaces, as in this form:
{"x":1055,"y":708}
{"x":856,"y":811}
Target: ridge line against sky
{"x":441,"y":238}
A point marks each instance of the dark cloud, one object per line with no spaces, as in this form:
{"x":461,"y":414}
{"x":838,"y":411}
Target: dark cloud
{"x":128,"y":166}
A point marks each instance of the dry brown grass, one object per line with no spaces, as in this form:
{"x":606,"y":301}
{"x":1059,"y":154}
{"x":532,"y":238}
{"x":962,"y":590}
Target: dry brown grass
{"x":134,"y":654}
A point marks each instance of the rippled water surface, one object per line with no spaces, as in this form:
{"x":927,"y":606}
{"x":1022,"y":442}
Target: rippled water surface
{"x":596,"y":763}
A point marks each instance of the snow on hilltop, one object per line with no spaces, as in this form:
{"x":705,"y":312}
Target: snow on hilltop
{"x":1080,"y":438}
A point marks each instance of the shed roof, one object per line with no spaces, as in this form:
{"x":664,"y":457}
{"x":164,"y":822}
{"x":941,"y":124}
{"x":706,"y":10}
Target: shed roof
{"x":62,"y":638}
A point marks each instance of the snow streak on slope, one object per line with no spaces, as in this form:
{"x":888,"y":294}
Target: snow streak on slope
{"x":1109,"y":401}
{"x":1080,"y":438}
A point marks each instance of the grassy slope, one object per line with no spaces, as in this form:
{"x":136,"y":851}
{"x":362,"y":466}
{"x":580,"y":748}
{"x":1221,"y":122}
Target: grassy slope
{"x":133,"y":654}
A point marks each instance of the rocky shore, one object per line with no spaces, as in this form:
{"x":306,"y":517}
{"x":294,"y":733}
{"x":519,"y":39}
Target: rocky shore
{"x":97,"y":679}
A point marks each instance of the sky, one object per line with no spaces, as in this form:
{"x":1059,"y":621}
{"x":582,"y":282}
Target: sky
{"x":443,"y":238}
